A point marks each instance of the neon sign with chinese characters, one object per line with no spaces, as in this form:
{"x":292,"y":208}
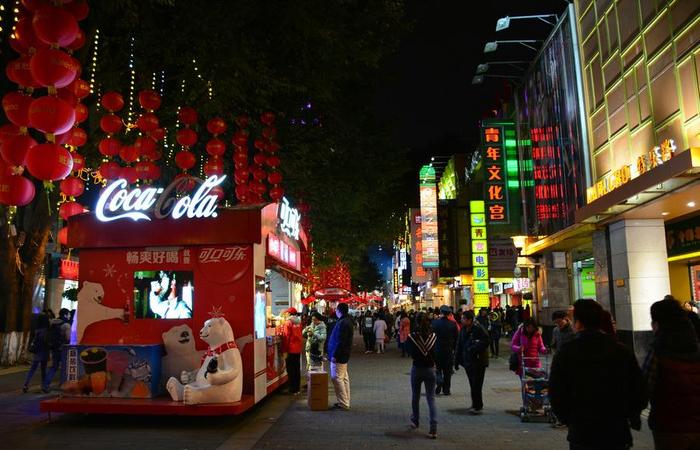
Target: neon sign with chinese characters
{"x":117,"y":202}
{"x":480,"y":256}
{"x":289,"y":219}
{"x":496,"y":174}
{"x":429,"y":219}
{"x":280,"y":250}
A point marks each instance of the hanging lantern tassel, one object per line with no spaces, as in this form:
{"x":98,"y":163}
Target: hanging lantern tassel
{"x":186,"y":137}
{"x":240,"y":160}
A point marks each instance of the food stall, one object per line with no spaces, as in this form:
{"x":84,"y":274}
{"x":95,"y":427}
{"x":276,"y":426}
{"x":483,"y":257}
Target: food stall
{"x":154,"y":266}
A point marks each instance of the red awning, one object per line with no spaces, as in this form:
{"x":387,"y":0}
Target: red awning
{"x":307,"y":300}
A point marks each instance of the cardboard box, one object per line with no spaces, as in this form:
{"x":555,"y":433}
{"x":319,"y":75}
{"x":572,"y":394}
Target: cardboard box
{"x":317,"y":387}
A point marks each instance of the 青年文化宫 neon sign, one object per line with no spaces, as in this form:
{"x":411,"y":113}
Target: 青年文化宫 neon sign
{"x":117,"y":202}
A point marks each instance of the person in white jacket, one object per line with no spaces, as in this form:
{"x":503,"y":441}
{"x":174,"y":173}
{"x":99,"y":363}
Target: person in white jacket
{"x":379,"y":333}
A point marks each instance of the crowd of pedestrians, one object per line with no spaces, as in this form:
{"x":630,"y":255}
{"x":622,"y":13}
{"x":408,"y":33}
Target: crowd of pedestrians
{"x":47,"y":337}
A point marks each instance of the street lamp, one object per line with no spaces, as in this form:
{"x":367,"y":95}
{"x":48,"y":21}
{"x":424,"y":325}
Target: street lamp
{"x":493,"y":45}
{"x":483,"y":68}
{"x":504,"y":22}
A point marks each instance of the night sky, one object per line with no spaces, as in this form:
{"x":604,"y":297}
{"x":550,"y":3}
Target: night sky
{"x":428,"y":91}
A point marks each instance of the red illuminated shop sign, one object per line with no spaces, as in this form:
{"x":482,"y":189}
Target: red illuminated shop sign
{"x":496,"y":179}
{"x":281,"y":251}
{"x":68,"y":269}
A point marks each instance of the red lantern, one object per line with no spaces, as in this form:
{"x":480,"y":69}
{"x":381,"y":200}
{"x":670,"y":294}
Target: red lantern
{"x":78,"y":137}
{"x":55,"y":26}
{"x":111,"y":123}
{"x":259,"y":159}
{"x":272,"y":161}
{"x":260,"y":144}
{"x":186,"y":182}
{"x":72,"y":187}
{"x":51,"y":67}
{"x":49,"y":162}
{"x":240,"y":158}
{"x":268,"y":118}
{"x":79,"y":88}
{"x":24,"y":40}
{"x":33,"y":5}
{"x":63,"y":236}
{"x":81,"y":113}
{"x":112,"y":101}
{"x":15,"y":149}
{"x":79,"y":9}
{"x":242,"y":192}
{"x":16,"y":107}
{"x":70,"y":209}
{"x":149,"y":100}
{"x":145,"y":146}
{"x":67,"y":95}
{"x":241,"y":176}
{"x":269,"y":132}
{"x":129,"y":174}
{"x":78,"y":161}
{"x":78,"y":43}
{"x":187,"y":115}
{"x":274,"y":178}
{"x":218,"y":191}
{"x":272,"y":147}
{"x":259,"y":174}
{"x":16,"y":190}
{"x":214,"y":167}
{"x":50,"y":114}
{"x":242,"y":121}
{"x":62,"y":139}
{"x":146,"y":170}
{"x":18,"y":72}
{"x":147,"y":122}
{"x":110,"y":146}
{"x":216,"y":147}
{"x":216,"y":126}
{"x":276,"y":193}
{"x":186,"y":137}
{"x":240,"y":138}
{"x":185,"y":159}
{"x":129,"y":153}
{"x":158,"y":134}
{"x":7,"y":131}
{"x":110,"y":170}
{"x":258,"y":187}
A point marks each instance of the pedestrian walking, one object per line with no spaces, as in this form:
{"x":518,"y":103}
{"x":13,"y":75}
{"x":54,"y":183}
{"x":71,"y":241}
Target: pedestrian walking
{"x":404,"y":331}
{"x":421,"y":347}
{"x":595,"y":386}
{"x":472,"y":354}
{"x":380,"y":333}
{"x":292,"y":344}
{"x":495,"y":331}
{"x":339,"y":347}
{"x":367,"y":324}
{"x":672,"y":373}
{"x":38,"y":347}
{"x":563,"y":331}
{"x":57,"y":336}
{"x":446,"y":333}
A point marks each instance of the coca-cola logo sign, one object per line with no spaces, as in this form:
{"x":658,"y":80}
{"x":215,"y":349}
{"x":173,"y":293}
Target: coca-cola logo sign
{"x":223,"y":265}
{"x":117,"y":202}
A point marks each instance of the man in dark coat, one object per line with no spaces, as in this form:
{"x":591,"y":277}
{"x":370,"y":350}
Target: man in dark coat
{"x":446,"y":333}
{"x":596,"y":386}
{"x":339,"y":347}
{"x":473,"y":354}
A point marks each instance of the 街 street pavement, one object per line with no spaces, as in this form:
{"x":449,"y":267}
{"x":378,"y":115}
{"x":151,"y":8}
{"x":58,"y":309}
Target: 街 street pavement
{"x":381,"y":403}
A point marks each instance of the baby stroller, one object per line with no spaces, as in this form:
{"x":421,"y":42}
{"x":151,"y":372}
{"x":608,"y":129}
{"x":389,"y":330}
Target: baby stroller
{"x":534,"y":384}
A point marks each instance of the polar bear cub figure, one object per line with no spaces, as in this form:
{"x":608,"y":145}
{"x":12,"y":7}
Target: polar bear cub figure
{"x":225,"y":385}
{"x":91,"y":309}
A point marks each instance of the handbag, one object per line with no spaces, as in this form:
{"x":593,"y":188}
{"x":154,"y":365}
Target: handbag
{"x":514,"y":362}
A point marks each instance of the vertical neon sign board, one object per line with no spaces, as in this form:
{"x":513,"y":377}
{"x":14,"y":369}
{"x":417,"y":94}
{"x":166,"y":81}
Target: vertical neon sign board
{"x":496,"y":175}
{"x":480,"y":253}
{"x":429,"y":219}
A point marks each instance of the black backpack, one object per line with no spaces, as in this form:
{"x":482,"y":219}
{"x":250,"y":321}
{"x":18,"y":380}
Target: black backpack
{"x":55,"y":337}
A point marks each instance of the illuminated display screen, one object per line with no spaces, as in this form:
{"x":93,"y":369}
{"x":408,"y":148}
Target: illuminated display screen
{"x":429,"y":217}
{"x":163,"y":294}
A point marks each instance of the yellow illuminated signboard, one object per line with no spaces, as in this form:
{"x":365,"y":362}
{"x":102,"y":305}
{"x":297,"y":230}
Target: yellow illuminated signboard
{"x":480,"y":257}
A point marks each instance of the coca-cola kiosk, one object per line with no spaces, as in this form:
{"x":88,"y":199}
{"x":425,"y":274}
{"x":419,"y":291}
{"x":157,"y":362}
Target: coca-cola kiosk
{"x":154,"y":266}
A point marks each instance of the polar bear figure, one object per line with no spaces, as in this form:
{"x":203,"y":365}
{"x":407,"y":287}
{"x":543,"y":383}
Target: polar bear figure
{"x":91,"y":309}
{"x":180,"y":353}
{"x":222,"y":384}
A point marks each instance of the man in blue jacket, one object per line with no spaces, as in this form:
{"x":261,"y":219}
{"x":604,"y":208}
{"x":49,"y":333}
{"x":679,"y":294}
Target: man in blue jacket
{"x":473,"y":354}
{"x":339,"y":347}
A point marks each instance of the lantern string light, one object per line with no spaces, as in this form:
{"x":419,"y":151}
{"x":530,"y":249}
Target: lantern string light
{"x":132,"y":81}
{"x":162,"y":82}
{"x":93,"y":66}
{"x":153,"y":81}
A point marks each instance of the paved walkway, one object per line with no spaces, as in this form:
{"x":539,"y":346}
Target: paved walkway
{"x":381,"y":406}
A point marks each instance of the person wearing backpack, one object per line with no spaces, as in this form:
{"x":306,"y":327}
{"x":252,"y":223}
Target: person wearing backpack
{"x":37,"y":346}
{"x":57,"y":336}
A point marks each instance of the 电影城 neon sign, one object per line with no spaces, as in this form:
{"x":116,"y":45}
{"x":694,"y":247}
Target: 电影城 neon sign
{"x":117,"y":202}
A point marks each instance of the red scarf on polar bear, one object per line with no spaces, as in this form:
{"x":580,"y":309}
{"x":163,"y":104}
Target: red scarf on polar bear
{"x":218,"y":350}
